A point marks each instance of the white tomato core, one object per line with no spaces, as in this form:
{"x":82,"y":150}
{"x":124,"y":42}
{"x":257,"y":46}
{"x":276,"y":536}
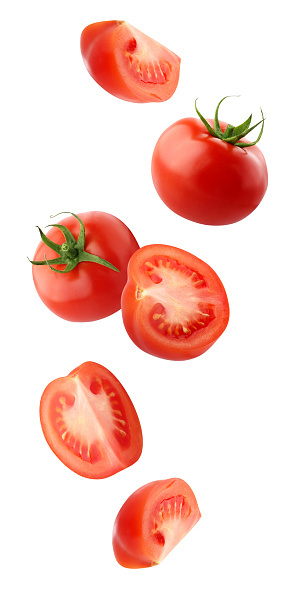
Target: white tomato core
{"x":88,"y":419}
{"x":182,"y":303}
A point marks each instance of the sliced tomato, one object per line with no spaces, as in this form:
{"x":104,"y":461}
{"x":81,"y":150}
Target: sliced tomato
{"x":90,"y":422}
{"x":129,"y":64}
{"x":174,"y":305}
{"x":152,"y":521}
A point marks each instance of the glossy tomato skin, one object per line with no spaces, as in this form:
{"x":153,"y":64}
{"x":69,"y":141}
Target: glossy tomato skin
{"x":152,"y":521}
{"x":204,"y":179}
{"x":90,"y":423}
{"x":118,"y":56}
{"x":174,"y":306}
{"x":90,"y":291}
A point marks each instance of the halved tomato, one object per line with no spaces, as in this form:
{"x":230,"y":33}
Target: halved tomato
{"x":90,"y":422}
{"x":174,"y":305}
{"x":129,"y":64}
{"x":152,"y":521}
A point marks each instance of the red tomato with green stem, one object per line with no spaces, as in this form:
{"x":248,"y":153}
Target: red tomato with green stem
{"x":90,"y":423}
{"x":174,"y":305}
{"x":203,"y":171}
{"x":152,"y":521}
{"x":129,"y":64}
{"x":85,"y":281}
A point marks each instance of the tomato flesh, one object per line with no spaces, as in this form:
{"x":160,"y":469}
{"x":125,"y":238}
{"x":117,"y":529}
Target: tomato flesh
{"x":142,"y":59}
{"x":153,"y":521}
{"x":179,"y":294}
{"x":129,"y":64}
{"x":167,"y":522}
{"x":174,"y":305}
{"x":90,"y":423}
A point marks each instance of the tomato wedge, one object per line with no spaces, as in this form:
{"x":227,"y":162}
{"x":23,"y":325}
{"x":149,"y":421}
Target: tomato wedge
{"x":174,"y":306}
{"x":152,"y":521}
{"x":90,"y":422}
{"x":129,"y":64}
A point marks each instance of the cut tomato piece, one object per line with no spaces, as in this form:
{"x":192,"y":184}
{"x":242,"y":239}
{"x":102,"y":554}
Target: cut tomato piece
{"x":90,"y":422}
{"x":174,"y":306}
{"x":129,"y":64}
{"x":152,"y":521}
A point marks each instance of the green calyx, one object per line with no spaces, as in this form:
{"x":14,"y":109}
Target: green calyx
{"x":71,"y":252}
{"x":231,"y":134}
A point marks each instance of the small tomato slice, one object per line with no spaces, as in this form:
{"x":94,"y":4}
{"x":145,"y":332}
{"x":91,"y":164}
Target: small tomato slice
{"x":174,"y":305}
{"x":90,"y":422}
{"x":129,"y":64}
{"x":152,"y":521}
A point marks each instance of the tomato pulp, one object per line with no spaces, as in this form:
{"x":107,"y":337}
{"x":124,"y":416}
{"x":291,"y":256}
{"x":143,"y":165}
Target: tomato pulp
{"x":152,"y":521}
{"x":90,"y":291}
{"x":204,"y":179}
{"x":90,"y":422}
{"x":129,"y":64}
{"x":174,"y":305}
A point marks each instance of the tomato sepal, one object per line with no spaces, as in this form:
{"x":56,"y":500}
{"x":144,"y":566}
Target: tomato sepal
{"x":71,"y":252}
{"x":232,"y":134}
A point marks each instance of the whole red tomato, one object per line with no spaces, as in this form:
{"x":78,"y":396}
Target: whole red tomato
{"x":174,"y":305}
{"x":95,"y":248}
{"x":90,"y":422}
{"x":203,"y":172}
{"x":152,"y":521}
{"x":129,"y":64}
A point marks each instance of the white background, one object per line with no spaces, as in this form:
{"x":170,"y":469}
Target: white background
{"x":223,"y":422}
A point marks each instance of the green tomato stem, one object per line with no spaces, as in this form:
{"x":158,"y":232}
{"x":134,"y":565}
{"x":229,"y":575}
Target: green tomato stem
{"x":71,"y":252}
{"x":232,"y":134}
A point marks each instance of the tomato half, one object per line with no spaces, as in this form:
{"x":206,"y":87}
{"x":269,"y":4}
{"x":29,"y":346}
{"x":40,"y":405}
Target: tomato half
{"x":129,"y":64}
{"x":90,"y":290}
{"x":90,"y":422}
{"x":174,"y":306}
{"x":152,"y":521}
{"x":204,"y":179}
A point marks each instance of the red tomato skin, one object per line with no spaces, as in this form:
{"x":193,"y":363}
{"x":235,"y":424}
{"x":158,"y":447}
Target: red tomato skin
{"x":85,"y":373}
{"x":98,"y":47}
{"x":89,"y":291}
{"x":128,"y":542}
{"x":136,"y":323}
{"x":133,"y":548}
{"x":204,"y":179}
